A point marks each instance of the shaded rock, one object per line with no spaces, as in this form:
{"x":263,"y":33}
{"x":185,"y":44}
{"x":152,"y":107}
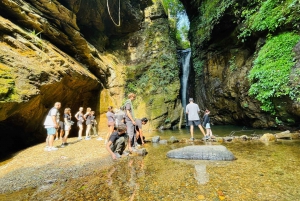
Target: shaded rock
{"x":140,"y":152}
{"x":202,"y":152}
{"x":155,"y":139}
{"x":163,"y":142}
{"x":173,"y":139}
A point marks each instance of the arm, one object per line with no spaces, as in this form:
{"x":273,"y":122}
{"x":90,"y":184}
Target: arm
{"x":54,"y":120}
{"x":67,"y":122}
{"x":76,"y":116}
{"x":129,"y":145}
{"x":110,"y":151}
{"x":141,"y":136}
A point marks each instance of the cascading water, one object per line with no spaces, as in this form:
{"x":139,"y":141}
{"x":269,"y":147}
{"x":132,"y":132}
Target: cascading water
{"x":185,"y":56}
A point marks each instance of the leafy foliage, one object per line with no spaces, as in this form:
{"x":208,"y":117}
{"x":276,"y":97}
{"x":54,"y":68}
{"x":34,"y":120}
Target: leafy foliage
{"x":174,"y":9}
{"x":271,"y":70}
{"x":210,"y":13}
{"x":269,"y":15}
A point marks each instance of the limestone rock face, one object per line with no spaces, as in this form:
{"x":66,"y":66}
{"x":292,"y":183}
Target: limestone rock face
{"x":202,"y":152}
{"x":71,"y":51}
{"x":221,"y":64}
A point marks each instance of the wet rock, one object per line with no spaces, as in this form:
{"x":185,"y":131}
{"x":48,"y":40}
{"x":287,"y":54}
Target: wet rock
{"x":202,"y":152}
{"x":155,"y":139}
{"x":140,"y":152}
{"x":227,"y":139}
{"x":163,"y":142}
{"x":268,"y":137}
{"x":173,"y":139}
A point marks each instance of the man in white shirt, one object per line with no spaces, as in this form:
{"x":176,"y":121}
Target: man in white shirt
{"x":192,"y":110}
{"x":51,"y":124}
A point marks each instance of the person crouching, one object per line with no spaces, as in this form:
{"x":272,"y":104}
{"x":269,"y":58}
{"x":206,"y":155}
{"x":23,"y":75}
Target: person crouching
{"x":118,"y":142}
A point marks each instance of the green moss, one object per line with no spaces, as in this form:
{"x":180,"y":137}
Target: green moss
{"x":271,"y":70}
{"x":6,"y":84}
{"x":269,"y":16}
{"x":210,"y":13}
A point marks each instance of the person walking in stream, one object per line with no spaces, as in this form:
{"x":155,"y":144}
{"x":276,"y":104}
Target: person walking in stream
{"x":129,"y":119}
{"x":206,"y":124}
{"x":192,"y":110}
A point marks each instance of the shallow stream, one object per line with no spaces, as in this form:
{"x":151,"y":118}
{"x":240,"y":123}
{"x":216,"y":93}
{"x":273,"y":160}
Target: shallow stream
{"x":262,"y":171}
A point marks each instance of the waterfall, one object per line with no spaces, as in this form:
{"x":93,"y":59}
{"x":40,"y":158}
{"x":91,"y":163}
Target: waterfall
{"x":184,"y":60}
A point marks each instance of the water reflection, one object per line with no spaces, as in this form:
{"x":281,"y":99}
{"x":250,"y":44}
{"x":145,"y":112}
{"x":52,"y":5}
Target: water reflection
{"x":260,"y":173}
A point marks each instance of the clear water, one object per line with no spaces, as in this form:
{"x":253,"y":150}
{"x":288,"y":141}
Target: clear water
{"x":262,"y":171}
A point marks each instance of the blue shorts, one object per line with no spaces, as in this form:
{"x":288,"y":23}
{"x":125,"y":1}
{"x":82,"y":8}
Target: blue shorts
{"x":51,"y":131}
{"x":207,"y":125}
{"x":194,"y":123}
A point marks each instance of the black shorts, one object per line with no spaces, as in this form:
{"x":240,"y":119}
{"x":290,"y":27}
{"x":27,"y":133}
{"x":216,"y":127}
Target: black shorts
{"x":194,"y":123}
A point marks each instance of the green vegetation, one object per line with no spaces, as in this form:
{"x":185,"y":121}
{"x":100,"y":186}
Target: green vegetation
{"x":210,"y":13}
{"x":269,"y":15}
{"x":271,"y":70}
{"x":173,"y":8}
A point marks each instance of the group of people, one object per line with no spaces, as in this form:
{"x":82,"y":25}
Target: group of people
{"x":123,"y":128}
{"x":53,"y":124}
{"x":192,"y":110}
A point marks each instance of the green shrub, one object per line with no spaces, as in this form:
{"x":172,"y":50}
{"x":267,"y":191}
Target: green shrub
{"x":271,"y":70}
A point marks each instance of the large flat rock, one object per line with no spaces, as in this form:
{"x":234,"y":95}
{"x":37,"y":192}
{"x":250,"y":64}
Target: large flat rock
{"x":202,"y":152}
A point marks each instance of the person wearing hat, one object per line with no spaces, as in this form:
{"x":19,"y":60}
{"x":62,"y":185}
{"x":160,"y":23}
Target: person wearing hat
{"x":192,"y":110}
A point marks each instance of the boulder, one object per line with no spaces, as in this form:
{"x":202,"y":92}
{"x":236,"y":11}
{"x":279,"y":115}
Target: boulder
{"x":268,"y":137}
{"x":202,"y":152}
{"x":155,"y":139}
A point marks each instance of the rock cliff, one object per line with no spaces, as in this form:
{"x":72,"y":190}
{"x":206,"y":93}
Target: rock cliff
{"x":228,"y":38}
{"x":73,"y":52}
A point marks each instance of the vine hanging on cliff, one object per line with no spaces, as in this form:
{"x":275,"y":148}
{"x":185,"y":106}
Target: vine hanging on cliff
{"x":119,"y":24}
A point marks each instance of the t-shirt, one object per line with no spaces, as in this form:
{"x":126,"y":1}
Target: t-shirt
{"x":48,"y":121}
{"x":128,"y":107}
{"x":110,"y":116}
{"x":68,"y":117}
{"x":120,"y":115}
{"x":138,"y":124}
{"x":192,"y":109}
{"x":115,"y":136}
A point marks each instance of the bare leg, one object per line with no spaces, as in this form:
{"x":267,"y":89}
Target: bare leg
{"x":80,"y":131}
{"x":201,"y":129}
{"x":87,"y":131}
{"x":56,"y":135}
{"x":61,"y":134}
{"x":51,"y":139}
{"x":192,"y":131}
{"x":64,"y":140}
{"x":47,"y":141}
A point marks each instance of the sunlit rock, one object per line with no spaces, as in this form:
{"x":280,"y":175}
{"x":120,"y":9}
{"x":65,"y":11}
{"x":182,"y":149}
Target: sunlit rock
{"x":202,"y":152}
{"x":268,"y":137}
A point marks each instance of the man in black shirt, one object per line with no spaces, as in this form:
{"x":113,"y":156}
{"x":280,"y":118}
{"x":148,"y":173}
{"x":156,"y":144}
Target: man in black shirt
{"x":118,"y":142}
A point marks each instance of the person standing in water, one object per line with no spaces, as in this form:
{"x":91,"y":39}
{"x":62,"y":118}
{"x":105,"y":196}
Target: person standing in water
{"x":206,"y":124}
{"x":129,"y":118}
{"x":192,"y":110}
{"x":80,"y":119}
